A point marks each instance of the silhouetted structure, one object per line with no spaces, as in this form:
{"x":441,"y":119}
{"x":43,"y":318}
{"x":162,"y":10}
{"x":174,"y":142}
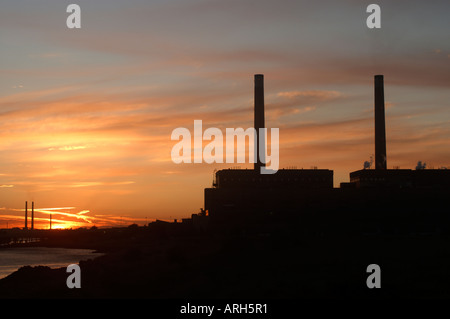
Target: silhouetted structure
{"x":401,"y":178}
{"x":32,"y":215}
{"x":245,"y":196}
{"x":26,"y":215}
{"x":282,"y":179}
{"x":246,"y":193}
{"x":380,"y":126}
{"x":312,"y":240}
{"x":382,"y":177}
{"x":259,"y":120}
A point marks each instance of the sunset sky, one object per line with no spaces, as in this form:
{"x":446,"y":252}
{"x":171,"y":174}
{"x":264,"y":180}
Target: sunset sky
{"x":87,"y":114}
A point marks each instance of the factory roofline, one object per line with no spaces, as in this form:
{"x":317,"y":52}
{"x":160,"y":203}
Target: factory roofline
{"x":283,"y":178}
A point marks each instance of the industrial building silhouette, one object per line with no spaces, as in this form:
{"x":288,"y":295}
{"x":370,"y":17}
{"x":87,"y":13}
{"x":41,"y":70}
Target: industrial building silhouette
{"x":26,"y":215}
{"x":245,"y":196}
{"x":374,"y":199}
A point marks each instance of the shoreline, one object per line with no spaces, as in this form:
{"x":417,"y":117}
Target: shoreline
{"x":55,"y":257}
{"x":169,"y":261}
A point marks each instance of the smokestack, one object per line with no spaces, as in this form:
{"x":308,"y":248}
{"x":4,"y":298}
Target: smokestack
{"x":259,"y":120}
{"x":380,"y":126}
{"x":26,"y":215}
{"x":32,"y":215}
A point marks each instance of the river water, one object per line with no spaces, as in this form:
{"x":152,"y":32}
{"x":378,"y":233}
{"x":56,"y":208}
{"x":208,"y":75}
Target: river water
{"x":11,"y":259}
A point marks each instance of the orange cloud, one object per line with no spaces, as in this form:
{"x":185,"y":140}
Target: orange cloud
{"x":316,"y":94}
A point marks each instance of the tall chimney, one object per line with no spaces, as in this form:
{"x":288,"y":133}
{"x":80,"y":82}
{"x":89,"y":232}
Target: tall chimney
{"x":380,"y":126}
{"x":26,"y":215}
{"x":259,"y":121}
{"x":32,"y":215}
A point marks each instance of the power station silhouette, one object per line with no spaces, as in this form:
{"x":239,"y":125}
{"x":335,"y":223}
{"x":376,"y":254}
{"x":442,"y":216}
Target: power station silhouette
{"x":290,"y":234}
{"x":374,"y":199}
{"x":32,"y":217}
{"x":245,"y":197}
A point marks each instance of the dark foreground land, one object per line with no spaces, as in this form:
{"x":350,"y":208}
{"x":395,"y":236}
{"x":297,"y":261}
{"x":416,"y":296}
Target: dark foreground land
{"x":166,"y":260}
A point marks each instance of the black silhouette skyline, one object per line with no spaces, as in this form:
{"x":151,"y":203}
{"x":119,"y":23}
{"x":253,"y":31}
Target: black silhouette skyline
{"x":285,"y":235}
{"x":91,"y":110}
{"x":85,"y":151}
